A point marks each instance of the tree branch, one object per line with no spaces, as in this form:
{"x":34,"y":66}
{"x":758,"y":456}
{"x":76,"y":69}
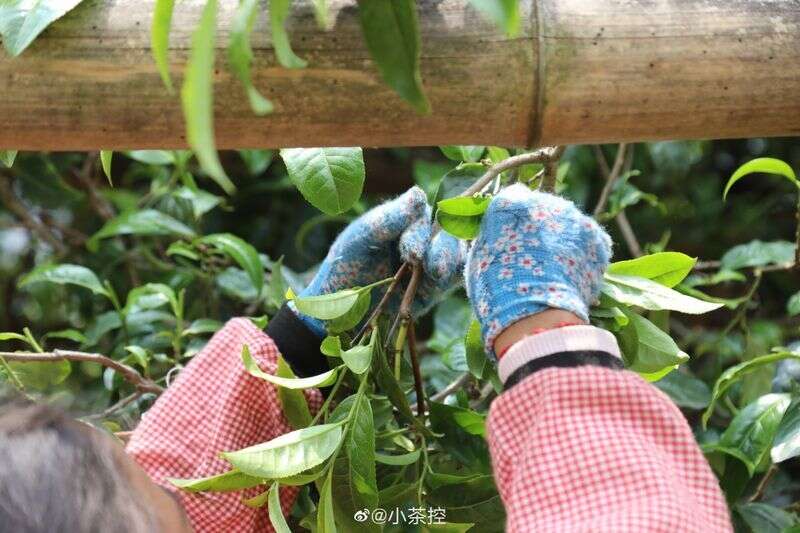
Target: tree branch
{"x":551,"y":169}
{"x":543,"y":155}
{"x":14,"y":205}
{"x":130,"y":374}
{"x":611,"y":177}
{"x":383,"y":302}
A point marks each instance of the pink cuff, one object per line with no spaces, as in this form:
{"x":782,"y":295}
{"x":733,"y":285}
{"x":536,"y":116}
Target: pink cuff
{"x":565,"y":339}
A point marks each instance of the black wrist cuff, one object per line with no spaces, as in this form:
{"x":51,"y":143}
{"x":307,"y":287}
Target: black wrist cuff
{"x":564,"y":360}
{"x":298,"y":345}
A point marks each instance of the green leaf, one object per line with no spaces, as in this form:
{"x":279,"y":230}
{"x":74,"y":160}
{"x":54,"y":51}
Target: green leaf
{"x":105,"y":162}
{"x":653,"y":296}
{"x":353,"y":316}
{"x":469,"y":154}
{"x":766,"y":165}
{"x":462,"y":227}
{"x":321,"y":13}
{"x":328,"y":306}
{"x":391,"y":31}
{"x":159,"y":38}
{"x":737,"y":372}
{"x":354,"y":482}
{"x":685,"y":390}
{"x":750,"y":434}
{"x":289,"y":454}
{"x":787,"y":439}
{"x":229,"y":481}
{"x":21,"y":21}
{"x":359,"y":358}
{"x":330,"y":179}
{"x":331,"y":346}
{"x":475,"y":354}
{"x":666,"y":268}
{"x":151,"y":296}
{"x":765,"y":518}
{"x":321,"y":380}
{"x":245,"y":255}
{"x":152,"y":157}
{"x":65,"y":274}
{"x":41,"y":375}
{"x":390,"y":387}
{"x":757,"y":253}
{"x":504,"y":13}
{"x":202,"y":201}
{"x":398,"y":460}
{"x":69,"y":334}
{"x":293,"y":402}
{"x":240,"y":54}
{"x":465,"y":206}
{"x":654,"y":351}
{"x":197,"y":96}
{"x":793,"y":305}
{"x":325,"y":516}
{"x":448,"y":527}
{"x":140,"y":354}
{"x":278,"y":13}
{"x":144,"y":222}
{"x":276,"y":517}
{"x":277,"y":285}
{"x":458,"y":180}
{"x":7,"y":157}
{"x":468,"y":448}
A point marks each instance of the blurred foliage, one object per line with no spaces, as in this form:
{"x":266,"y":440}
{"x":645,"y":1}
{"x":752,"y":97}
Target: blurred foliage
{"x":170,"y":257}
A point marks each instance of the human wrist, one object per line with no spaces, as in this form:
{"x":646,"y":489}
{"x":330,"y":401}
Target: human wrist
{"x":529,"y":325}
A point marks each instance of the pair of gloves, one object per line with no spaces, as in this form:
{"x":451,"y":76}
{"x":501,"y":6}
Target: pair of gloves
{"x":534,"y":251}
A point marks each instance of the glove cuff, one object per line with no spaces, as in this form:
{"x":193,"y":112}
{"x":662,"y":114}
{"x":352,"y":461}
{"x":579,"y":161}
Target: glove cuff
{"x":554,"y":341}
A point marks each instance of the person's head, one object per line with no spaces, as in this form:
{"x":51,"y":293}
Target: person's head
{"x":57,"y":474}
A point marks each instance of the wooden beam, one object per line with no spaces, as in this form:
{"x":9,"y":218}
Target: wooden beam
{"x":582,"y":71}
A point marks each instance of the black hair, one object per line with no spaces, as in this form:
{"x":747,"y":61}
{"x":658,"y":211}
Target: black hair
{"x":56,"y":475}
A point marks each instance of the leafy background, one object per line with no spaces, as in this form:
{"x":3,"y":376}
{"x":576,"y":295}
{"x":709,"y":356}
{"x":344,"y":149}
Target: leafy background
{"x":56,"y":206}
{"x":145,"y":270}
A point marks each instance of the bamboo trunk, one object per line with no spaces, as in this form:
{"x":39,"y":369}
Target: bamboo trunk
{"x":582,"y":71}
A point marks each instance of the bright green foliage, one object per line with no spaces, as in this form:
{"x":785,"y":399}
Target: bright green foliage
{"x":105,"y":161}
{"x":21,"y":21}
{"x":275,"y":514}
{"x":278,"y":12}
{"x":240,"y":54}
{"x":232,"y":480}
{"x":159,"y":38}
{"x":7,"y":157}
{"x":170,"y":260}
{"x":470,"y":154}
{"x":391,"y":31}
{"x":331,"y":179}
{"x":766,"y":165}
{"x":197,"y":96}
{"x":505,"y":13}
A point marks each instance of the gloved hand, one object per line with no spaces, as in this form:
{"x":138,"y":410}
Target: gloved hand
{"x":535,"y":251}
{"x":374,"y":246}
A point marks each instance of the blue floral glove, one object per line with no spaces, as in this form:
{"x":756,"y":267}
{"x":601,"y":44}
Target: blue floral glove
{"x":534,"y":251}
{"x":374,"y":246}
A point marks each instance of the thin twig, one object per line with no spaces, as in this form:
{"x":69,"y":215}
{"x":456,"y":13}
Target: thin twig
{"x":121,"y":404}
{"x":452,"y":388}
{"x":543,"y":155}
{"x":14,"y":205}
{"x":627,"y":233}
{"x":762,"y":485}
{"x":130,"y":374}
{"x":412,"y":351}
{"x":382,"y":303}
{"x":611,"y":178}
{"x":551,"y":169}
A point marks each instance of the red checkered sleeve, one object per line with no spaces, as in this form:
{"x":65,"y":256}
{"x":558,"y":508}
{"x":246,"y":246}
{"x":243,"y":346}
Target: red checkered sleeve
{"x":214,"y":405}
{"x":595,"y":449}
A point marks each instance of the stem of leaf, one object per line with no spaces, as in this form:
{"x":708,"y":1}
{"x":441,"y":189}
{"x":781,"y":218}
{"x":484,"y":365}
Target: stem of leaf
{"x":326,"y":404}
{"x":112,"y":296}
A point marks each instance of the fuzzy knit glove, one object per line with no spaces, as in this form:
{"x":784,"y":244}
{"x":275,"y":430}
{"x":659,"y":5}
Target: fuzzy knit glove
{"x":534,"y":251}
{"x":373,"y":247}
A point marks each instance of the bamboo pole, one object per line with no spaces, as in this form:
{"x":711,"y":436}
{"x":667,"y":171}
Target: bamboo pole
{"x":582,"y":71}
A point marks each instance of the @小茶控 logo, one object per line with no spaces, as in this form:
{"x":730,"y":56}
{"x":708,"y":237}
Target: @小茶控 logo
{"x":396,"y":516}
